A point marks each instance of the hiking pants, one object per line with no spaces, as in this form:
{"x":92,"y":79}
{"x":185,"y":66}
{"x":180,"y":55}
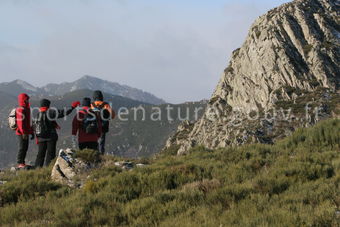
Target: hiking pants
{"x":102,"y":143}
{"x":89,"y":145}
{"x":23,"y":147}
{"x":47,"y":150}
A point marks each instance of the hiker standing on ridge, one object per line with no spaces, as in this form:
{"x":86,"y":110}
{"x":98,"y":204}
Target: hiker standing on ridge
{"x":23,"y":127}
{"x":45,"y":127}
{"x":87,"y":124}
{"x":106,"y":113}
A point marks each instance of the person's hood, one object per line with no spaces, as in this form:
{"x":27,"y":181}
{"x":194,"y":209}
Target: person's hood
{"x":23,"y":100}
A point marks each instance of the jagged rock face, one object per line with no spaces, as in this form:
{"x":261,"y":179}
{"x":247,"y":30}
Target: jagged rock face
{"x":291,"y":51}
{"x":295,"y":45}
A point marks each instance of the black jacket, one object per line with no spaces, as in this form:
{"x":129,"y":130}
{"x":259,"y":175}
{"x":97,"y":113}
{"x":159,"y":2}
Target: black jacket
{"x":52,"y":115}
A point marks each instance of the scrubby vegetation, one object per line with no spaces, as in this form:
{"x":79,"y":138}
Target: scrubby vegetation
{"x":88,"y":156}
{"x":295,"y":182}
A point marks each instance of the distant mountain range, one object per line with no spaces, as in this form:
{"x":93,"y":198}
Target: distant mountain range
{"x":86,"y":82}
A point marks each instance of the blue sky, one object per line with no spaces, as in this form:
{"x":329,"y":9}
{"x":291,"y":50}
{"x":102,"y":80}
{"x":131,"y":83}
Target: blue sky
{"x":175,"y":49}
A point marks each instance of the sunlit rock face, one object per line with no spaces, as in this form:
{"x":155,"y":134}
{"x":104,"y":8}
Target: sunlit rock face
{"x":291,"y":54}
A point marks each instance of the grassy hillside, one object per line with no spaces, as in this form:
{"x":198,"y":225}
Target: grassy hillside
{"x":295,"y":182}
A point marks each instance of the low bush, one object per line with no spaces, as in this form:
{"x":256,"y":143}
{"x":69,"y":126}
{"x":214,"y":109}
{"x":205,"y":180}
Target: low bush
{"x":88,"y":155}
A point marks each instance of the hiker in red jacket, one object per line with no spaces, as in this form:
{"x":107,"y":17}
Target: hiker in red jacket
{"x":24,"y":128}
{"x":88,"y":126}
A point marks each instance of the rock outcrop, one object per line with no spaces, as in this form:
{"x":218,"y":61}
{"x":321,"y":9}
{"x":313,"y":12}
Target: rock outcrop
{"x":289,"y":61}
{"x":73,"y":168}
{"x":69,"y":170}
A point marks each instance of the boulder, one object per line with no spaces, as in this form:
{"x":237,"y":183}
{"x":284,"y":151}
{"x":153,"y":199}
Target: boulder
{"x":129,"y":165}
{"x":125,"y":165}
{"x":68,"y":170}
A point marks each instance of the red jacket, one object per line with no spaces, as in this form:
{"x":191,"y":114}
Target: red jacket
{"x":23,"y":115}
{"x":77,"y":128}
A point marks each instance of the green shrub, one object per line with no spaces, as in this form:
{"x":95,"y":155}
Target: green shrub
{"x":170,"y":151}
{"x":88,"y":155}
{"x":27,"y":185}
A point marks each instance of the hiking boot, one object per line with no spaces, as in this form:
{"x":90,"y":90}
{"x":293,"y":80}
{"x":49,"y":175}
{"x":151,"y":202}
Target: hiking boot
{"x":21,"y":166}
{"x":24,"y":167}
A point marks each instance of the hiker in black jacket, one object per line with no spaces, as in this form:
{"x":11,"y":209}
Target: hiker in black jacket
{"x":106,"y":112}
{"x":45,"y":128}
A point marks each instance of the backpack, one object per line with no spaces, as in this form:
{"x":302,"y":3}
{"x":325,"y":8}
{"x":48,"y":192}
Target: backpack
{"x":12,"y":119}
{"x":106,"y":115}
{"x":90,"y":123}
{"x":42,"y":126}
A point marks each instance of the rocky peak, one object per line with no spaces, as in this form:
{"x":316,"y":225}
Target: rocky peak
{"x":295,"y":45}
{"x":291,"y":53}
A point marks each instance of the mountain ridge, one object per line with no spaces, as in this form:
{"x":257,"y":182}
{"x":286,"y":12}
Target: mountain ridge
{"x":86,"y":82}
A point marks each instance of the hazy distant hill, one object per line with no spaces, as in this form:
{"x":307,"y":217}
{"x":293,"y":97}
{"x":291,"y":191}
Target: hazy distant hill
{"x":6,"y":99}
{"x":115,"y":100}
{"x":93,"y":83}
{"x":86,"y":82}
{"x":19,"y":86}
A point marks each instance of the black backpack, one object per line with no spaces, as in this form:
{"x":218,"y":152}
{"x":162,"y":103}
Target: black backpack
{"x":90,"y":122}
{"x":42,"y":126}
{"x":101,"y":112}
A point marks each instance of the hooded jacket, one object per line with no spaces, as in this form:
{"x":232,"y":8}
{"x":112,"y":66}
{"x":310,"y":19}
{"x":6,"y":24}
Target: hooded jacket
{"x":23,"y":116}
